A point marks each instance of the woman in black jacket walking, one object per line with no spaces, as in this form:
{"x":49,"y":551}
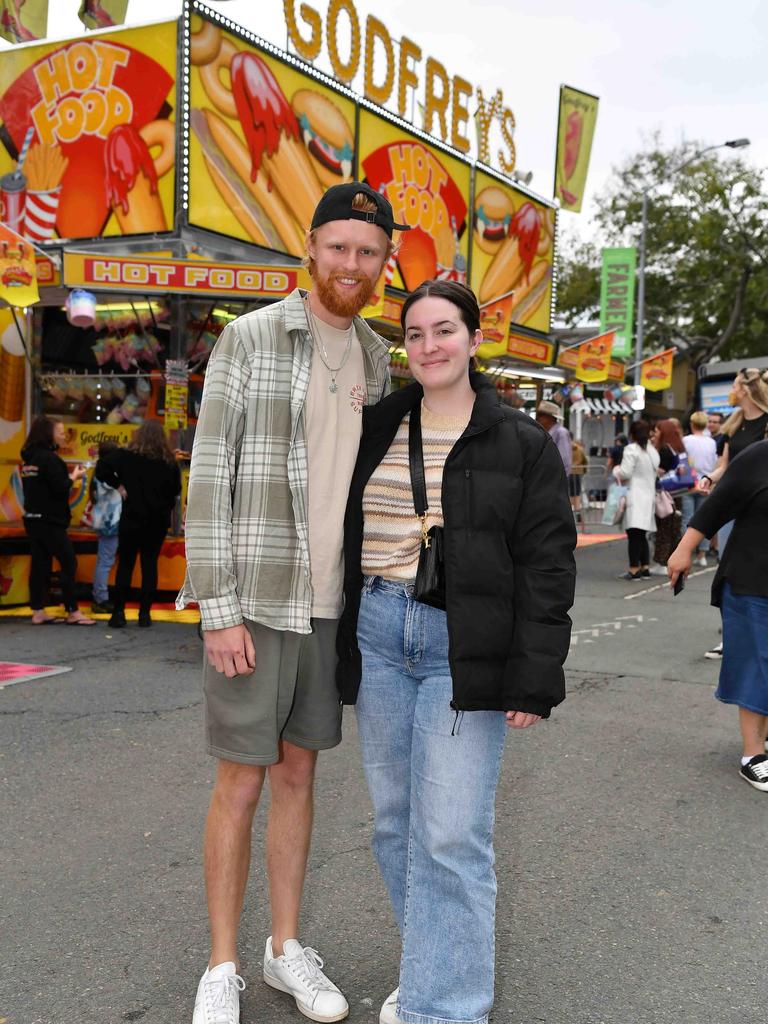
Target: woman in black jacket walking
{"x":47,"y":483}
{"x":496,"y":485}
{"x":149,"y":479}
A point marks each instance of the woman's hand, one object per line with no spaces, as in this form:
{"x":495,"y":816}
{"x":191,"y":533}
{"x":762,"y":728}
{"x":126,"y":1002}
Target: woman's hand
{"x":521,"y":719}
{"x":76,"y":473}
{"x":704,"y":484}
{"x":681,"y":559}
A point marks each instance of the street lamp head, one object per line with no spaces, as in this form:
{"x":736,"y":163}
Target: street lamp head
{"x":737,"y":143}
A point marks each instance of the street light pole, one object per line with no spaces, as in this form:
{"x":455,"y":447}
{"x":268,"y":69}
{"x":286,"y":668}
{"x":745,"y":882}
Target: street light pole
{"x":640,"y":331}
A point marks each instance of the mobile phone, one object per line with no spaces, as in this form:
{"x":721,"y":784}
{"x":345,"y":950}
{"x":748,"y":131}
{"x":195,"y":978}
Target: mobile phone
{"x":679,"y":584}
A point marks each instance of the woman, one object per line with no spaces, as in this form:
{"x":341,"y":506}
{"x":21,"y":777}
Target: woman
{"x":667,"y":439}
{"x":740,"y":590}
{"x":639,"y":463}
{"x":495,"y":482}
{"x":47,"y":483}
{"x":150,"y":480}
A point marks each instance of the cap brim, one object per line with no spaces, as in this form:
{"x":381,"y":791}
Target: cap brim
{"x":401,"y":227}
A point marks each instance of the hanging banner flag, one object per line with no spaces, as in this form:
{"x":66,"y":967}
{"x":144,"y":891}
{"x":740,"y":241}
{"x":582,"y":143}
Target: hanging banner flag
{"x":494,"y":323}
{"x":575,"y":128}
{"x":102,"y":13}
{"x":21,"y":21}
{"x":594,"y":358}
{"x":656,"y":371}
{"x":617,"y":297}
{"x":18,"y":272}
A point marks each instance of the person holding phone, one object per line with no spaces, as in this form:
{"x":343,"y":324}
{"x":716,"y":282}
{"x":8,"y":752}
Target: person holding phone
{"x":47,"y":481}
{"x":437,"y":687}
{"x":740,"y":590}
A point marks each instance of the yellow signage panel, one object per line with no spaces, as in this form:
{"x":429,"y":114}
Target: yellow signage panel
{"x":88,"y":147}
{"x":575,"y":130}
{"x":429,"y":190}
{"x":513,"y":251}
{"x":265,"y":141}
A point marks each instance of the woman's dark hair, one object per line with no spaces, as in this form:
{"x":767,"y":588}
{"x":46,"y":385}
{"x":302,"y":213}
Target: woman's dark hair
{"x":463,"y":299}
{"x":638,"y":432}
{"x":669,"y":433}
{"x":107,"y":446}
{"x":40,"y":435}
{"x":150,"y":441}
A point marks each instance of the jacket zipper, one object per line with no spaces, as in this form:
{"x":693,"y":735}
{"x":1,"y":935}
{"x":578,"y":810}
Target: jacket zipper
{"x":468,"y":496}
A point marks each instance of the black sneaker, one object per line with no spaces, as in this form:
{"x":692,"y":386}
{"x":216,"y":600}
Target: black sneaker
{"x":755,"y":771}
{"x":145,"y":620}
{"x":118,"y":619}
{"x":102,"y":607}
{"x":645,"y":573}
{"x":633,"y":576}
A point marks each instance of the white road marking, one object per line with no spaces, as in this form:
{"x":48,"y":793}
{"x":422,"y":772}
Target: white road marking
{"x":607,"y":629}
{"x":665,"y":585}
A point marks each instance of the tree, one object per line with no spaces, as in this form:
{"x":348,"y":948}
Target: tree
{"x":706,"y":252}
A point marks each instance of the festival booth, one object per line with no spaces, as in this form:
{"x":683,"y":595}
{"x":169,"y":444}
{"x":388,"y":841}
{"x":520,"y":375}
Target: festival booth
{"x":166,"y":176}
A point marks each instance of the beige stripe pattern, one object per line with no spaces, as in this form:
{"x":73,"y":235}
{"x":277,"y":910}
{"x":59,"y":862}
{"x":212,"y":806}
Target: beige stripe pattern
{"x":391,"y":529}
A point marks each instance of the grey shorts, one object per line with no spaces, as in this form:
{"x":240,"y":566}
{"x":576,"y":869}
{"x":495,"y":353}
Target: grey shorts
{"x":291,"y":695}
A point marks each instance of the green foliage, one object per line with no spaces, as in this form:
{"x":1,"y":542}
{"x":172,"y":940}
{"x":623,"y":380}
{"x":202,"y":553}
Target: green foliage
{"x":707,"y":251}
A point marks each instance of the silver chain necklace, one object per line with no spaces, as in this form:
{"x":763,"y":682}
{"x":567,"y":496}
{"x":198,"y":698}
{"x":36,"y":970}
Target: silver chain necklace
{"x":333,"y":387}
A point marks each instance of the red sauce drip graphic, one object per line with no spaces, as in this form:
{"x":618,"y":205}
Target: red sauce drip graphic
{"x":526,"y":228}
{"x":125,"y":156}
{"x":573,"y":128}
{"x":261,"y":106}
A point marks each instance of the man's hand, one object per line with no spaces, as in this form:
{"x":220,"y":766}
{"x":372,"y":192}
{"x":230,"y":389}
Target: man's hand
{"x":521,"y":719}
{"x":230,"y":650}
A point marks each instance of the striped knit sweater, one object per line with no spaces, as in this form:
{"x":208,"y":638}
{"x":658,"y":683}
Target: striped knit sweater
{"x":391,"y":530}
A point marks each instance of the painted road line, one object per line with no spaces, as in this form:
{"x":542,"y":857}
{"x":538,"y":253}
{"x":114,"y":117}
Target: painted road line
{"x":607,"y":629}
{"x":665,"y":586}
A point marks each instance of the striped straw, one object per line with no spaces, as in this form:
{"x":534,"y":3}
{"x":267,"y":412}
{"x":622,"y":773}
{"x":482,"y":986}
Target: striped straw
{"x":25,"y":147}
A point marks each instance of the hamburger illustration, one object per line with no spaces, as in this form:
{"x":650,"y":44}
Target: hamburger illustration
{"x":326,"y":135}
{"x":493,"y":214}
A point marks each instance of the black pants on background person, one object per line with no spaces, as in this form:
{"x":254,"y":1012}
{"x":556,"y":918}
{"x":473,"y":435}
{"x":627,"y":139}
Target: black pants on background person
{"x":46,"y":542}
{"x":637,"y":541}
{"x":144,"y":542}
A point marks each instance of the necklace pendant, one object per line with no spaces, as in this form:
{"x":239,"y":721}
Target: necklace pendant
{"x":333,"y":387}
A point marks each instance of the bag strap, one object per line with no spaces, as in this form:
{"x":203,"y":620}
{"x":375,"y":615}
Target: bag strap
{"x":416,"y":462}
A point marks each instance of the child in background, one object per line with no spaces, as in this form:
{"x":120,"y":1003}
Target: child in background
{"x":107,"y":504}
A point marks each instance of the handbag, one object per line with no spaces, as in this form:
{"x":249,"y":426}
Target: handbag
{"x":664,"y":506}
{"x":430,"y":574}
{"x":615,"y":505}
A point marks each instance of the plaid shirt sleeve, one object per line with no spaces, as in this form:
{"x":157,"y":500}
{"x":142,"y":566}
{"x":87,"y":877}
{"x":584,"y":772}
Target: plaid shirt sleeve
{"x":211,"y":578}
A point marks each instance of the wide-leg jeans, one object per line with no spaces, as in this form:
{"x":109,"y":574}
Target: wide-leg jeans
{"x":432,"y":776}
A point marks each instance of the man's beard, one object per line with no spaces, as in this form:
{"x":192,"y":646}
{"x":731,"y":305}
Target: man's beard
{"x":343,"y":305}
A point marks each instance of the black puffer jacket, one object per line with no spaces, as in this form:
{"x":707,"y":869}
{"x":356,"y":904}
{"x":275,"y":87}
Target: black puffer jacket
{"x":509,"y":541}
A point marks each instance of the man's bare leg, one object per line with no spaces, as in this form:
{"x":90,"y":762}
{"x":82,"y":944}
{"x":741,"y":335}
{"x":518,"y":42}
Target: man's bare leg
{"x":228,"y":852}
{"x":289,"y":831}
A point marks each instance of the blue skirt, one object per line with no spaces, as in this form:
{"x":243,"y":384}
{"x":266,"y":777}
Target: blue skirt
{"x":744,"y":668}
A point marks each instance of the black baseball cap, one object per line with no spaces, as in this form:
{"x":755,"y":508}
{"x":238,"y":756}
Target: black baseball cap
{"x":336,"y":204}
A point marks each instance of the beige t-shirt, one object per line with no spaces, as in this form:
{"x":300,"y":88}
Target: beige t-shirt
{"x":334,"y":424}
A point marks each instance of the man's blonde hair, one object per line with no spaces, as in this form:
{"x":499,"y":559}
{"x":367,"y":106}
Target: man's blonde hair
{"x":362,"y":202}
{"x":699,"y":420}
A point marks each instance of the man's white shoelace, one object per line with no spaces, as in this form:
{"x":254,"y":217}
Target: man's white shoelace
{"x":221,"y":998}
{"x":760,"y":769}
{"x":308,"y":969}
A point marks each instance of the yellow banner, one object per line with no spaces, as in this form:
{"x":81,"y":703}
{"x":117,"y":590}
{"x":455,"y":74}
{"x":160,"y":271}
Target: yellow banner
{"x":594,"y":358}
{"x":575,"y":129}
{"x":494,"y":323}
{"x":656,"y":372}
{"x":513,"y":250}
{"x":18,"y":270}
{"x":89,"y":144}
{"x":22,"y":21}
{"x":265,"y":143}
{"x":530,"y":350}
{"x":102,"y":13}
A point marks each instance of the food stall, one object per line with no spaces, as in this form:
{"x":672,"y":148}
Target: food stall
{"x":167,"y":175}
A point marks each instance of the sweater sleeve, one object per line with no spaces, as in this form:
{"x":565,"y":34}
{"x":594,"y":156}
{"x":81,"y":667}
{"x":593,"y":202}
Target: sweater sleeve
{"x":742,"y":480}
{"x":545,"y":574}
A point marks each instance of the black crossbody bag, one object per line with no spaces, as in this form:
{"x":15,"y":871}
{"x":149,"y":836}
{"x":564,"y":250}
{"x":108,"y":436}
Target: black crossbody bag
{"x":430,"y":574}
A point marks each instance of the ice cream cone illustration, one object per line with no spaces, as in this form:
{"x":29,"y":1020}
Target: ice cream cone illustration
{"x":132,"y":182}
{"x":12,"y":377}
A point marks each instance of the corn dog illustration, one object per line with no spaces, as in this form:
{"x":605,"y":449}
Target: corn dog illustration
{"x":515,"y":256}
{"x":131,"y":182}
{"x":12,"y":376}
{"x":273,"y":136}
{"x":258,"y":208}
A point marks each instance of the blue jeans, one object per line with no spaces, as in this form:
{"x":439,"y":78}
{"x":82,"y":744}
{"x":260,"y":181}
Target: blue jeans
{"x":432,"y":777}
{"x":105,"y":559}
{"x":692,"y":501}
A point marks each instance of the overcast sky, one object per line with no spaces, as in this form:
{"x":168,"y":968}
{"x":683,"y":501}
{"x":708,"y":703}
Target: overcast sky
{"x":691,"y":69}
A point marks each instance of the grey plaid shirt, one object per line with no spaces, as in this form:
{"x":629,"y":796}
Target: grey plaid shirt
{"x":247,"y":538}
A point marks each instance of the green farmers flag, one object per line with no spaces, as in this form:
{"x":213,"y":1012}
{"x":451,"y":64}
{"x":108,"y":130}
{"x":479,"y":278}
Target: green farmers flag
{"x":617,"y":298}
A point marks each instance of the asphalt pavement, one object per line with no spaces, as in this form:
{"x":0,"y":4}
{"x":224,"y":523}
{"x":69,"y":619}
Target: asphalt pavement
{"x":630,"y":854}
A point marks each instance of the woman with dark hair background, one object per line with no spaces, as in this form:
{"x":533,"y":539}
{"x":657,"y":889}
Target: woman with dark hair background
{"x":148,"y":473}
{"x":639,"y":463}
{"x":47,"y":483}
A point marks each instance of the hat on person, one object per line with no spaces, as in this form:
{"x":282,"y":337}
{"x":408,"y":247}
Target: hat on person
{"x":336,"y":204}
{"x":550,"y":409}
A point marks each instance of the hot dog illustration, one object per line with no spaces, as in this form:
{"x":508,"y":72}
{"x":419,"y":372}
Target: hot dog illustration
{"x":273,"y":136}
{"x":531,"y":292}
{"x":515,"y":256}
{"x":131,"y":181}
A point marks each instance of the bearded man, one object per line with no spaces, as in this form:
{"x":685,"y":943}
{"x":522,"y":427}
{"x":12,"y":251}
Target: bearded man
{"x":274,"y":451}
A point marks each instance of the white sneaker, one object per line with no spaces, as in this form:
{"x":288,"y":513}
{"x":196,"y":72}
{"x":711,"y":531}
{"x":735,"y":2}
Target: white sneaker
{"x":658,"y":570}
{"x":388,"y":1013}
{"x":702,"y":560}
{"x":298,"y":972}
{"x":218,"y":996}
{"x":715,"y":653}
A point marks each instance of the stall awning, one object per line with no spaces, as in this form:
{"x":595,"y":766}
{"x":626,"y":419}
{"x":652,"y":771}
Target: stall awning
{"x":601,"y":406}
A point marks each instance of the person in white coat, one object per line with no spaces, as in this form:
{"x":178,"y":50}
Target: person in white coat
{"x":639,"y":464}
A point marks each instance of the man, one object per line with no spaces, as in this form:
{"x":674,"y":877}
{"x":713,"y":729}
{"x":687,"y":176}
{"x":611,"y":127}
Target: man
{"x":702,"y":456}
{"x":275,"y":447}
{"x":548,"y":414}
